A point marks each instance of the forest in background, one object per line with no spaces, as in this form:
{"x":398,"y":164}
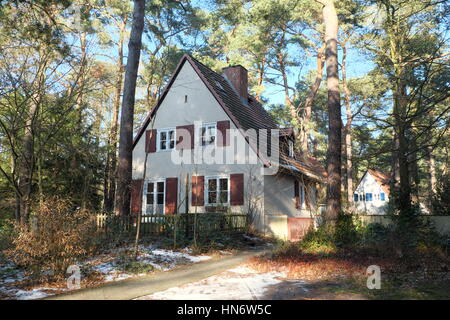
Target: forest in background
{"x":63,"y":66}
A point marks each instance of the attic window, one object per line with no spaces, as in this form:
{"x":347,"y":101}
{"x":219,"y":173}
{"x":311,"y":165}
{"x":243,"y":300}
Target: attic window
{"x":185,"y":99}
{"x":291,"y":148}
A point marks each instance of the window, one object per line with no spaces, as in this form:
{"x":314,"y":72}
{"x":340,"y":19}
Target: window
{"x":355,"y":197}
{"x":382,"y":196}
{"x":208,"y":134}
{"x":166,"y":139}
{"x":154,"y":197}
{"x":302,"y":195}
{"x":368,"y":197}
{"x":291,"y":148}
{"x":217,"y":190}
{"x":361,"y":197}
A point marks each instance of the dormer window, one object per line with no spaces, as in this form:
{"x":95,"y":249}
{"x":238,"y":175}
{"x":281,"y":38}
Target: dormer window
{"x":208,"y":134}
{"x":291,"y":148}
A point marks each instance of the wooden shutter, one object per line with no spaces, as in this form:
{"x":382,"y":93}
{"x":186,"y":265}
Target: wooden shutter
{"x":136,"y":196}
{"x":297,"y":194}
{"x":150,"y":140}
{"x":237,"y":189}
{"x":198,"y":191}
{"x":223,"y":133}
{"x":171,"y":195}
{"x":185,"y":137}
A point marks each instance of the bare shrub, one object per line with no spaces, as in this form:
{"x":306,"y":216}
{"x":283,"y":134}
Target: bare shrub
{"x":57,"y":237}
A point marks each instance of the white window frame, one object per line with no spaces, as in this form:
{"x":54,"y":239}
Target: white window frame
{"x":207,"y":125}
{"x":291,"y":148}
{"x":155,"y":195}
{"x":302,"y":196}
{"x":217,"y":178}
{"x":158,"y":139}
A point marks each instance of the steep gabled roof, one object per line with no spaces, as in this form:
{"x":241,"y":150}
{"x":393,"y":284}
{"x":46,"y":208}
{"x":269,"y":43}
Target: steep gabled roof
{"x":308,"y":166}
{"x":245,"y":114}
{"x":250,"y":114}
{"x":381,"y":178}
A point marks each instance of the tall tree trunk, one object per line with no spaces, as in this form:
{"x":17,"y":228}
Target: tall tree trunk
{"x":26,"y":170}
{"x":395,"y":163}
{"x":404,"y":201}
{"x":348,"y":128}
{"x":28,"y":161}
{"x":122,"y":203}
{"x":414,"y":170}
{"x":330,"y":20}
{"x":432,"y":173}
{"x":432,"y":169}
{"x":260,"y":78}
{"x":306,"y":118}
{"x":111,"y":166}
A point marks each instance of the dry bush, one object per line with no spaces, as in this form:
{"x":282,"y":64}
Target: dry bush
{"x":57,"y":237}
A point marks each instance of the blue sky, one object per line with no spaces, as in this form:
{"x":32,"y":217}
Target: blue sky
{"x":358,"y":65}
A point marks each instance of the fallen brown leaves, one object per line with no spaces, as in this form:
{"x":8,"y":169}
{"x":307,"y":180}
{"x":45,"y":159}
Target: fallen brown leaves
{"x":353,"y":263}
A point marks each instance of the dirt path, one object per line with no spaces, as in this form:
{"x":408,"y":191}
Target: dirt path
{"x":137,"y":287}
{"x":244,"y":283}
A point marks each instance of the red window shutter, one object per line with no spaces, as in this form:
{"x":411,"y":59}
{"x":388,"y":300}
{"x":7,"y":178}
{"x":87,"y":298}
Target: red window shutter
{"x":198,"y":190}
{"x":297,"y":194}
{"x":237,"y":189}
{"x":185,"y":137}
{"x":171,"y":195}
{"x":223,"y":133}
{"x":150,"y":141}
{"x":136,"y":196}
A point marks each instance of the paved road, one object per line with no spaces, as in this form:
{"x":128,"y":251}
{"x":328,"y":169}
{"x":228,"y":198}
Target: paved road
{"x":138,"y":287}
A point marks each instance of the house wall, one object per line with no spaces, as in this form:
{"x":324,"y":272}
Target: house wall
{"x":200,"y":106}
{"x":277,"y":226}
{"x":280,"y":198}
{"x":368,"y":184}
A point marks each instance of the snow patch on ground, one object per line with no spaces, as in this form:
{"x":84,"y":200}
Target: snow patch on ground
{"x":107,"y":264}
{"x":240,"y":283}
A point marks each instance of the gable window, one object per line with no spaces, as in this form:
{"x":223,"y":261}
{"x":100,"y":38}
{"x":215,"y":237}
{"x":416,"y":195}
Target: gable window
{"x":382,"y":196}
{"x":166,"y":139}
{"x":291,"y":148}
{"x":155,"y":193}
{"x":368,"y":197}
{"x":355,"y":197}
{"x":217,"y":190}
{"x":208,"y":134}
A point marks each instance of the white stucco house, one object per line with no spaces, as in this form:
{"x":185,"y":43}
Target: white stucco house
{"x":371,"y":196}
{"x":202,"y":149}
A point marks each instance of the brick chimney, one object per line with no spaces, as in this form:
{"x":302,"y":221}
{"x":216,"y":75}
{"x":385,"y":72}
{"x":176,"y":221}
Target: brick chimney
{"x":238,"y":77}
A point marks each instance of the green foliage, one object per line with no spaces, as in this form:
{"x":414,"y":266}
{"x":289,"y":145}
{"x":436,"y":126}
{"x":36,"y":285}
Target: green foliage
{"x":346,"y":232}
{"x":7,"y":234}
{"x":404,"y":237}
{"x":440,"y":202}
{"x":127,"y":263}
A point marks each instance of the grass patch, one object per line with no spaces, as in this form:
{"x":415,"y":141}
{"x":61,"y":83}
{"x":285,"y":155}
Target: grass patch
{"x":134,"y":266}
